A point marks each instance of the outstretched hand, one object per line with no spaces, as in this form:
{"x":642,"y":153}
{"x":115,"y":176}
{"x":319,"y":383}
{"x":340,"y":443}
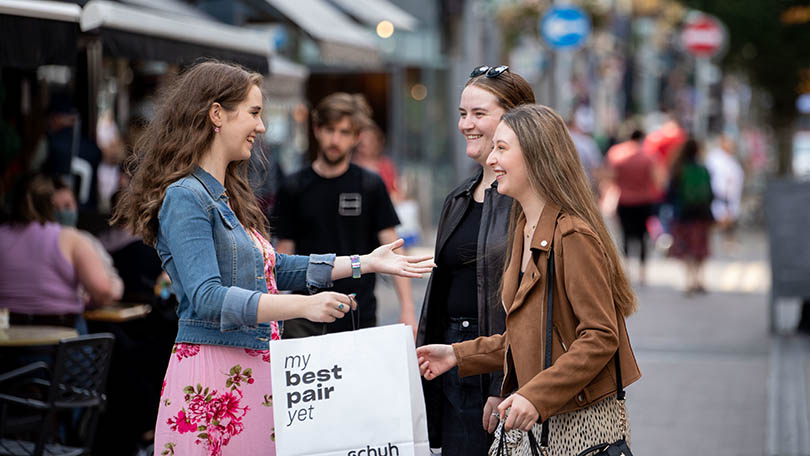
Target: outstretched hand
{"x":383,"y":259}
{"x":434,"y":360}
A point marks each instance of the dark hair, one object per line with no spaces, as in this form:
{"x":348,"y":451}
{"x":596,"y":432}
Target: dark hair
{"x":173,"y":143}
{"x":32,"y":202}
{"x":338,"y":105}
{"x":556,"y":174}
{"x":688,"y":153}
{"x":510,"y":89}
{"x":690,"y":150}
{"x":59,"y":184}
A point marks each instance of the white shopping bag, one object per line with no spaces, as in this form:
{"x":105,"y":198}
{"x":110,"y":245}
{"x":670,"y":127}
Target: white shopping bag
{"x":354,"y":393}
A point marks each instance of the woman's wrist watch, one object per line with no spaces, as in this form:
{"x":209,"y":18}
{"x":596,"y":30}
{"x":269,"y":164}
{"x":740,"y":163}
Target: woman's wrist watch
{"x":355,"y":259}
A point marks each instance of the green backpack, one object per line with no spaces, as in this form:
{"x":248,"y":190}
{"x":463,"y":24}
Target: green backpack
{"x":695,"y":189}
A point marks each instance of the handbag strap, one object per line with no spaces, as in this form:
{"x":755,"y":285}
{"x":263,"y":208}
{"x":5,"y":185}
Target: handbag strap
{"x":547,"y":359}
{"x":619,"y":385}
{"x":549,"y":330}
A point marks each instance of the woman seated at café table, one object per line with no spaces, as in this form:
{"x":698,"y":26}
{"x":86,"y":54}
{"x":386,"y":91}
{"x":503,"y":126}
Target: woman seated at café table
{"x":47,"y":269}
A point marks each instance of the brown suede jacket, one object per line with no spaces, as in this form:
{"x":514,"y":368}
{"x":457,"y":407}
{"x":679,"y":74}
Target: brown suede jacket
{"x":588,"y":327}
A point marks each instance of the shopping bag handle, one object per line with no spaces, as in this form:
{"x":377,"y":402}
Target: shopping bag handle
{"x":353,"y":313}
{"x":534,"y":447}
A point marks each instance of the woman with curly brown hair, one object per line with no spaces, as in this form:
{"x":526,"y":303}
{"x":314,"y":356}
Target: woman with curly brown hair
{"x":190,"y":197}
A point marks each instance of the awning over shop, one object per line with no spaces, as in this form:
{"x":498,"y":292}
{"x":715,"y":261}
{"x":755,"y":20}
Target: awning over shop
{"x":34,"y":33}
{"x":342,"y":41}
{"x":372,"y":12}
{"x":151,"y":35}
{"x":283,"y":67}
{"x":173,"y":7}
{"x":286,"y":83}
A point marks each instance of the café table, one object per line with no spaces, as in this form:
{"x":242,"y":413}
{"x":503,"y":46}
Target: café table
{"x":32,"y":336}
{"x":118,"y":313}
{"x":23,"y":344}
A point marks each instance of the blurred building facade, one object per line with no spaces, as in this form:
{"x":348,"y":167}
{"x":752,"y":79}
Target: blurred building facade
{"x":410,"y":58}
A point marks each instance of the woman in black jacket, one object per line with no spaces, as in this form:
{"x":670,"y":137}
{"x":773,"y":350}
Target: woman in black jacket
{"x":463,"y":300}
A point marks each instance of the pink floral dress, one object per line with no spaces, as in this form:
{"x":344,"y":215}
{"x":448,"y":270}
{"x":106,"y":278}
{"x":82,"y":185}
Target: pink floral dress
{"x":218,"y":400}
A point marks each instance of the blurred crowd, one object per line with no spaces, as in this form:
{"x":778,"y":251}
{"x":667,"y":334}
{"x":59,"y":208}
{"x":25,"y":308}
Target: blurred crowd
{"x":666,"y":188}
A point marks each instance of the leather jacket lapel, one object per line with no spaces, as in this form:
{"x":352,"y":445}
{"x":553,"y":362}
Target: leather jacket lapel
{"x":510,"y":277}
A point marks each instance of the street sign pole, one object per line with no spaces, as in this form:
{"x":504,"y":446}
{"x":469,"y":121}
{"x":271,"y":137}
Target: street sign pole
{"x":563,"y":28}
{"x":704,"y":37}
{"x":555,"y":94}
{"x":700,"y":118}
{"x":553,"y":81}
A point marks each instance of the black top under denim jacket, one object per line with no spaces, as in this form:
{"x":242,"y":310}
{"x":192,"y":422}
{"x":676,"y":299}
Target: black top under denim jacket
{"x":490,"y":257}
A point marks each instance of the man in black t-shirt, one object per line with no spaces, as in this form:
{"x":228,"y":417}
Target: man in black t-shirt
{"x":335,"y":206}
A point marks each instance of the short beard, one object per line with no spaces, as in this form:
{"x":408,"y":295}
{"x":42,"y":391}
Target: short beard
{"x":333,"y":161}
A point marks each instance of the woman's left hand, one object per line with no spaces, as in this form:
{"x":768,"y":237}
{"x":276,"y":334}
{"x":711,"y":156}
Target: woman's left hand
{"x":383,"y":259}
{"x":522,"y":415}
{"x":490,"y":418}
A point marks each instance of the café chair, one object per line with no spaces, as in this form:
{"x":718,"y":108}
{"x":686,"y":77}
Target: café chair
{"x":75,"y":383}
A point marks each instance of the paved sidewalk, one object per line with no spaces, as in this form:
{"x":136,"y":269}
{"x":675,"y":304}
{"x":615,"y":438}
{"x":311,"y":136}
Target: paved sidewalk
{"x":788,"y":393}
{"x":704,"y":365}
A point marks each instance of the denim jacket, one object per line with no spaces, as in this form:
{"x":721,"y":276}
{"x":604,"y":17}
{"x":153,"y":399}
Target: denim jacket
{"x":217,"y":270}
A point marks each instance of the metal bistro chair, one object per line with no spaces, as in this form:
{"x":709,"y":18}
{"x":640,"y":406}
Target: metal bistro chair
{"x":74,"y":384}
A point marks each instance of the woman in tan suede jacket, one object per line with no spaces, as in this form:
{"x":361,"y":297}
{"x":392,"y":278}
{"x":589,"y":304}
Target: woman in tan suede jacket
{"x":536,"y":164}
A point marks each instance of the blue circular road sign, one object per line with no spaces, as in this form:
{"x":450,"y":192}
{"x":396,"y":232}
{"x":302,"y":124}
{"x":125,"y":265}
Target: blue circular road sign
{"x":565,"y":27}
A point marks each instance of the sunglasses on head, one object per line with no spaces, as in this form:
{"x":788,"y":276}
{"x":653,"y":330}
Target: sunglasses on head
{"x":490,"y":72}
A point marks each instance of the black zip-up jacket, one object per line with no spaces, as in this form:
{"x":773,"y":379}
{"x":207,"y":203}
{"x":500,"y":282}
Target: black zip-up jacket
{"x":490,"y":257}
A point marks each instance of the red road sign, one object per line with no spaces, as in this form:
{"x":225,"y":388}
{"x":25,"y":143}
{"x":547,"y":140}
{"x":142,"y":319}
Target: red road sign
{"x":703,"y":36}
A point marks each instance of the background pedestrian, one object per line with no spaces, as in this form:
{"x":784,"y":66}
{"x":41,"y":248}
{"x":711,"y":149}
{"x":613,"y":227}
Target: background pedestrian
{"x":690,"y":193}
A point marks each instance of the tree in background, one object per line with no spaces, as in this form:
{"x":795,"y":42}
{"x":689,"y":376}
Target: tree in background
{"x":768,"y":41}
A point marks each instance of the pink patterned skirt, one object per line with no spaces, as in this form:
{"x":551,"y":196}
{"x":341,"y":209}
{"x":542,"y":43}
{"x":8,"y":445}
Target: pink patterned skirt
{"x":227,"y":410}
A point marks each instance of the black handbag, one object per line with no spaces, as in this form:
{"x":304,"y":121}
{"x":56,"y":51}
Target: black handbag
{"x":617,"y":448}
